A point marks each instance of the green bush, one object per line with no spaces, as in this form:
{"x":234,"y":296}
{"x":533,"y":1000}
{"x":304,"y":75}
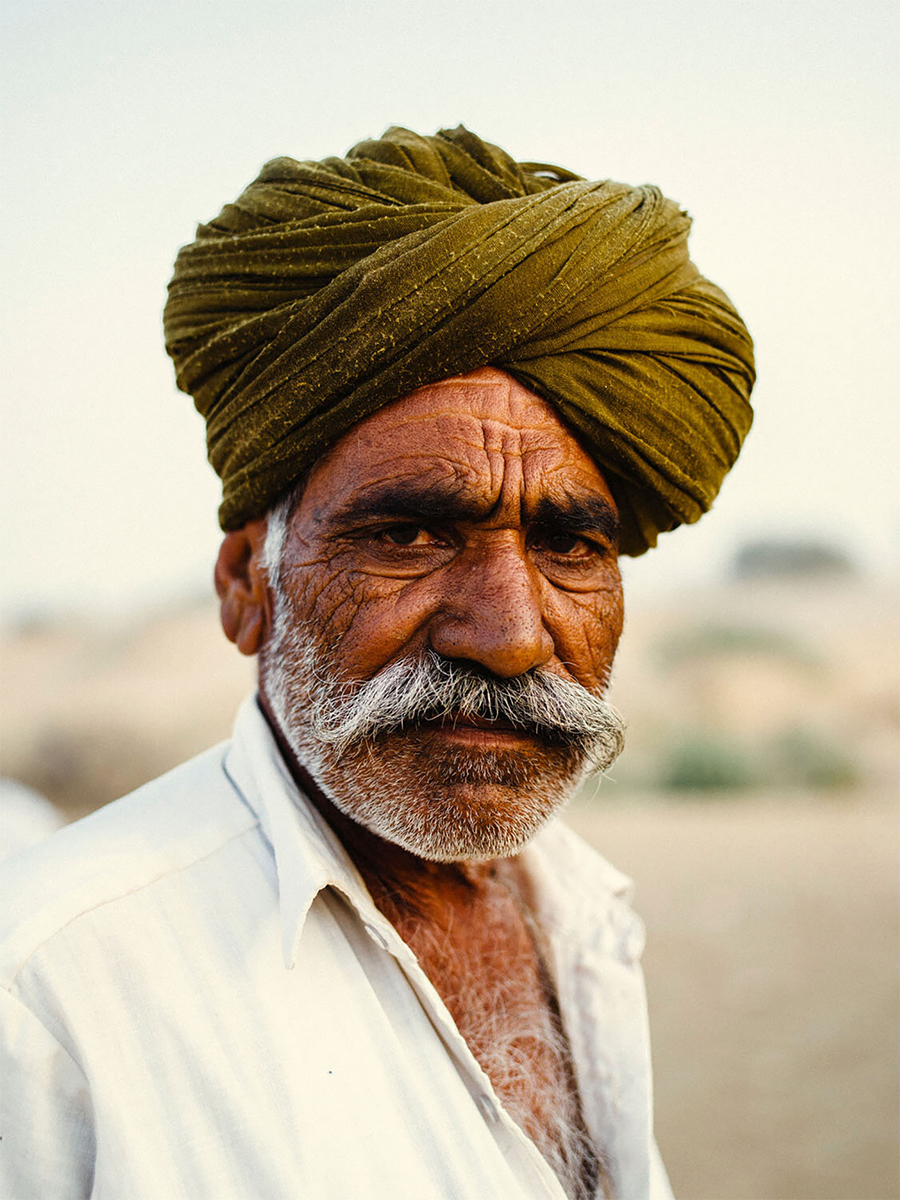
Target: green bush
{"x":807,"y":759}
{"x":702,"y":763}
{"x":704,"y":641}
{"x":795,"y":758}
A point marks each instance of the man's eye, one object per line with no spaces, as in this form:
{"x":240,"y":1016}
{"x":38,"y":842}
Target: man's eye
{"x":562,"y":543}
{"x":405,"y":535}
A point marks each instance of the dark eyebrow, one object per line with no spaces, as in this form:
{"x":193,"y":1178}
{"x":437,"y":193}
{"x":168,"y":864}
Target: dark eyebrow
{"x":415,"y":501}
{"x":580,"y":514}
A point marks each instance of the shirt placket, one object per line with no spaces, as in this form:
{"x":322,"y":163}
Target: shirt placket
{"x":531,"y":1167}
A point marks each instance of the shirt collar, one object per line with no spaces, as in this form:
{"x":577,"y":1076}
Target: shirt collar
{"x":594,"y":937}
{"x":581,"y":897}
{"x":308,"y":855}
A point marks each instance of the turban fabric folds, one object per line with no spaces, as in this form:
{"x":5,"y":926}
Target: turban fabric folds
{"x":329,"y":289}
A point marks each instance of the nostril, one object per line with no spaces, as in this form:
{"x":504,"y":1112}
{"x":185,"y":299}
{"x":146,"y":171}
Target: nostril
{"x":504,"y":643}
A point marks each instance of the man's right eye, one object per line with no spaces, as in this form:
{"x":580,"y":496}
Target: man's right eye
{"x":406,"y":535}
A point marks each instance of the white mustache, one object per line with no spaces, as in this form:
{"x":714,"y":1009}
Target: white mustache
{"x":430,"y":688}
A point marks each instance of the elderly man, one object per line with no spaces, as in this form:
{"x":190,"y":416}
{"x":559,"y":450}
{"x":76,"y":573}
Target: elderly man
{"x":351,"y":953}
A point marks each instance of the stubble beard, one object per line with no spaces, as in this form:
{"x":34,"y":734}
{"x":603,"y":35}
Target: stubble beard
{"x":441,"y":802}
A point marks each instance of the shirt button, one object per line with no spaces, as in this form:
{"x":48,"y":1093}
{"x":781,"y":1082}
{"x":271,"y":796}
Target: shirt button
{"x":377,"y":936}
{"x":488,"y":1107}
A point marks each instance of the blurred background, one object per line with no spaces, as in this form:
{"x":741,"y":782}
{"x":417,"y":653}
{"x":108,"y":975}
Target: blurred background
{"x":756,"y":804}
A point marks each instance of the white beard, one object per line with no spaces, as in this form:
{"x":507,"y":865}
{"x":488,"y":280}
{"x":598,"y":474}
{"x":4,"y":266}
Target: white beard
{"x":440,"y":802}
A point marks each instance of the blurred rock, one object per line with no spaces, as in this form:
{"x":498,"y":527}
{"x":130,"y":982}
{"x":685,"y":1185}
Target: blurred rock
{"x":90,"y":712}
{"x":797,"y":557}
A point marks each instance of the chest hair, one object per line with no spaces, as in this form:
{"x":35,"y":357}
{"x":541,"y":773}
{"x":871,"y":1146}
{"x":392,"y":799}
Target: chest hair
{"x":481,"y":954}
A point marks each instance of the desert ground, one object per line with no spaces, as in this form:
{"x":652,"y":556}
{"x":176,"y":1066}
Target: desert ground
{"x":771,"y":968}
{"x":755,"y":808}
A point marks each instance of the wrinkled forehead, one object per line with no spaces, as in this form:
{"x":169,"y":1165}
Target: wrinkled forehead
{"x":486,"y":396}
{"x":483,"y":428}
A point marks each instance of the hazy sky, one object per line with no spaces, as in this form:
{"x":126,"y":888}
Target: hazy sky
{"x":124,"y":123}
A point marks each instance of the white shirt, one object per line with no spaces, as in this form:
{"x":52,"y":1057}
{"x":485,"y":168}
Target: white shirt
{"x":201,"y":1001}
{"x":26,"y":817}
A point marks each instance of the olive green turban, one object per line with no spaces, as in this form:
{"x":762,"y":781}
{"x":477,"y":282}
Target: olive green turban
{"x":329,"y":289}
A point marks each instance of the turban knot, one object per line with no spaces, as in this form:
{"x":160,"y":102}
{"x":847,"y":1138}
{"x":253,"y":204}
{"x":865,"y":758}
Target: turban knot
{"x":329,"y":289}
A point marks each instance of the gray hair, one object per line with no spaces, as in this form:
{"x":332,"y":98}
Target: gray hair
{"x":277,"y":519}
{"x":429,"y":688}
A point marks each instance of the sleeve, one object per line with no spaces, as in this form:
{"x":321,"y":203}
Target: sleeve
{"x":46,"y":1126}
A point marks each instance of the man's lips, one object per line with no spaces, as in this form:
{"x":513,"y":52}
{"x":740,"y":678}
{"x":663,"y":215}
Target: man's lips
{"x":458,"y":720}
{"x":476,"y":730}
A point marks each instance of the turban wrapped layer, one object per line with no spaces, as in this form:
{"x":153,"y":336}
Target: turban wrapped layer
{"x":329,"y":289}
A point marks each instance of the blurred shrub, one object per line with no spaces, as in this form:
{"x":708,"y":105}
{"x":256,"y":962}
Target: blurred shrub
{"x":804,"y":758}
{"x":796,"y":758}
{"x":715,"y":639}
{"x":701,"y":762}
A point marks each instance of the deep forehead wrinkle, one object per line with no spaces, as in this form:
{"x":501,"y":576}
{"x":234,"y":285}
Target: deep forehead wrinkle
{"x":445,"y":500}
{"x":476,"y":429}
{"x":507,"y":393}
{"x":484,"y":377}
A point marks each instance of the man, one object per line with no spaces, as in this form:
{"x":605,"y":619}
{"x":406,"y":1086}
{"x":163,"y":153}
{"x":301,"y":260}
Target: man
{"x":350,"y":953}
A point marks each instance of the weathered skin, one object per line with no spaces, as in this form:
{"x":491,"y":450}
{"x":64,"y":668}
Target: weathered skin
{"x":486,"y":590}
{"x":472,"y":568}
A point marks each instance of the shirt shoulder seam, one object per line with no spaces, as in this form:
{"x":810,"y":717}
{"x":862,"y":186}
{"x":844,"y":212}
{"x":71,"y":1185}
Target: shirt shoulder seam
{"x":88,"y":909}
{"x":19,"y":1002}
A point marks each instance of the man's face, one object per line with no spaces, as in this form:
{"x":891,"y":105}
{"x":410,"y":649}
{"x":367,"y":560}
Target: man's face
{"x":466,"y":522}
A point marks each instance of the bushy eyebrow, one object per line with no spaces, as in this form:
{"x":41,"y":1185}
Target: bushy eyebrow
{"x":440,"y":503}
{"x":579,"y":514}
{"x":409,"y":500}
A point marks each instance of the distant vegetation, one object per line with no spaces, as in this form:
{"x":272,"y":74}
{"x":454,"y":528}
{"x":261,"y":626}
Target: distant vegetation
{"x":720,"y":638}
{"x":781,"y":689}
{"x":804,"y":758}
{"x":796,"y":556}
{"x":700,"y":761}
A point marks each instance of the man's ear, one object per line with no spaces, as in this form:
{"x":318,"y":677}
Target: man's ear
{"x":241,"y":586}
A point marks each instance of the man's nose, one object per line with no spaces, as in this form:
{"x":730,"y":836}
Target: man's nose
{"x":492,"y":613}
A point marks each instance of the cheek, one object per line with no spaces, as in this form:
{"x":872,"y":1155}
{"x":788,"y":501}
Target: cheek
{"x":586,"y":631}
{"x":364,"y":621}
{"x":322,"y":596}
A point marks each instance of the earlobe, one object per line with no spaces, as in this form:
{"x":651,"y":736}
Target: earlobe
{"x":241,"y":586}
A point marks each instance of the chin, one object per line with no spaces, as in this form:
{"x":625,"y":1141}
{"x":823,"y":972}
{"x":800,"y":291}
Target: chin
{"x":446,"y":804}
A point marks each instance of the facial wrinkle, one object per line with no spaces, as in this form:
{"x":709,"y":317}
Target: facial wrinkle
{"x":401,"y":784}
